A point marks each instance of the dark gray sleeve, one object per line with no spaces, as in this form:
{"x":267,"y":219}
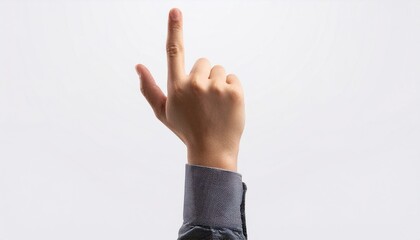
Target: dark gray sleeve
{"x":214,"y":204}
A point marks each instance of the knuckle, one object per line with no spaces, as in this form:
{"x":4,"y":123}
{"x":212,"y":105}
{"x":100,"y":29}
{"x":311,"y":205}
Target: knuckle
{"x":217,"y":70}
{"x":195,"y":85}
{"x":231,"y":78}
{"x":159,"y":111}
{"x":203,"y":59}
{"x":178,"y":89}
{"x":236,"y":95}
{"x":219,"y":67}
{"x":231,"y":75}
{"x":173,"y":49}
{"x":157,"y":115}
{"x":176,"y":27}
{"x":218,"y":89}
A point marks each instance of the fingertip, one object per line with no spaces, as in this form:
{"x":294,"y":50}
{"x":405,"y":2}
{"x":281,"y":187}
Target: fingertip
{"x":175,"y":14}
{"x":137,"y":67}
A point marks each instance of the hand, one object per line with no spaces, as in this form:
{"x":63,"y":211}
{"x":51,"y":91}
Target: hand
{"x":205,"y":108}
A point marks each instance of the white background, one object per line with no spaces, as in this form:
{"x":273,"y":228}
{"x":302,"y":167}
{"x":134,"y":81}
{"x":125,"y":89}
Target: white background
{"x":331,"y":147}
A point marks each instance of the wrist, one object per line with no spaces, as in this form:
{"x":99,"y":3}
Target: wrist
{"x":213,"y":158}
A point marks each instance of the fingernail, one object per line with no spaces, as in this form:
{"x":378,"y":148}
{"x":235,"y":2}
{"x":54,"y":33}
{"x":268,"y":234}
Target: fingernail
{"x":175,"y":14}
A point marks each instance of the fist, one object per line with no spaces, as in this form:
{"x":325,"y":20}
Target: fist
{"x":204,"y":108}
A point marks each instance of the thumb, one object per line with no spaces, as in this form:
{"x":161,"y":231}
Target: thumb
{"x":152,"y":92}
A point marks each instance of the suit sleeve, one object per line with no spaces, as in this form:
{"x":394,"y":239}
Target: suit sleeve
{"x":214,"y":204}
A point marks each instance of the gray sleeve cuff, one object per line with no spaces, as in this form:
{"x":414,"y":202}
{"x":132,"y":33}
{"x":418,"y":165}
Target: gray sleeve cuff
{"x":212,"y":197}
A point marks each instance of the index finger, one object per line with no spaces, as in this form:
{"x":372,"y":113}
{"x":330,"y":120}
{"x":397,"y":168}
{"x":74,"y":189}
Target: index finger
{"x":175,"y":46}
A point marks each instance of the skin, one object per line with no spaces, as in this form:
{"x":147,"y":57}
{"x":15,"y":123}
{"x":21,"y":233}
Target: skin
{"x":204,"y":108}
